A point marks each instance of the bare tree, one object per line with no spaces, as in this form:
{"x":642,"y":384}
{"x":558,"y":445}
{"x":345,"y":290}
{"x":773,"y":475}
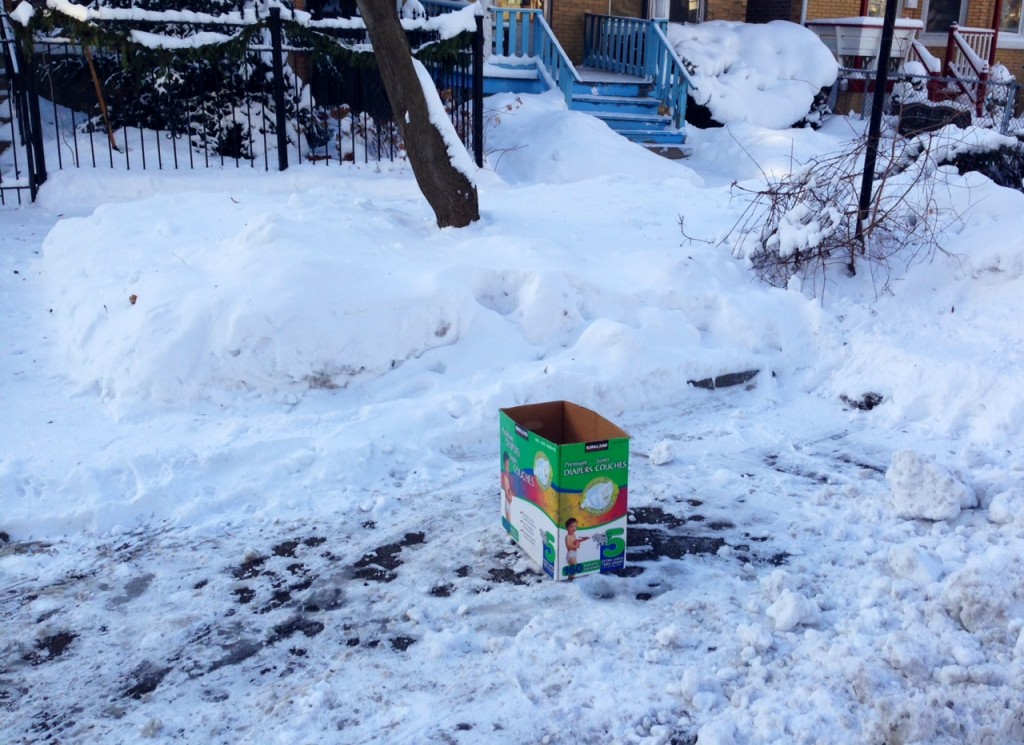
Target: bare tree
{"x":451,"y":194}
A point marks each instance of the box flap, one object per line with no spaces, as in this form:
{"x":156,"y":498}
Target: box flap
{"x":564,"y":423}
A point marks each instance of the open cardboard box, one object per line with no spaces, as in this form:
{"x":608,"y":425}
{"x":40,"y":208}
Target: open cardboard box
{"x":564,"y":484}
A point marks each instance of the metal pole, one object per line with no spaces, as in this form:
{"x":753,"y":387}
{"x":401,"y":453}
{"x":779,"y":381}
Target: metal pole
{"x":278,"y":67}
{"x":478,"y":91}
{"x":875,"y":124}
{"x":36,"y":123}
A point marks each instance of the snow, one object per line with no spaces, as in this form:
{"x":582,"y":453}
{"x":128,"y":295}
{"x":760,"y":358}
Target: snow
{"x":763,"y":73}
{"x":162,"y":41}
{"x":23,"y":13}
{"x":249,"y":476}
{"x":922,"y":488}
{"x":448,"y":25}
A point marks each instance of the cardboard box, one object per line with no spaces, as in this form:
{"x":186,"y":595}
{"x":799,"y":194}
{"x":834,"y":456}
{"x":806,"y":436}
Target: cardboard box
{"x":564,"y":484}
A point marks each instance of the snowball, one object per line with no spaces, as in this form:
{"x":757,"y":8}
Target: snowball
{"x":915,"y":564}
{"x":754,"y":636}
{"x":23,"y":13}
{"x":792,"y":609}
{"x":717,"y":732}
{"x":663,"y":453}
{"x":668,"y":636}
{"x":1007,"y":507}
{"x":987,"y":594}
{"x":922,"y":488}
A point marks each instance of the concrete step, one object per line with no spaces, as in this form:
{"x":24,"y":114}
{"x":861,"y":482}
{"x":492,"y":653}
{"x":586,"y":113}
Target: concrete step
{"x":672,"y":152}
{"x":654,"y":137}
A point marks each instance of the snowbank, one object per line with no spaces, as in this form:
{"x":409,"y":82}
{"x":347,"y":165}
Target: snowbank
{"x":766,"y":74}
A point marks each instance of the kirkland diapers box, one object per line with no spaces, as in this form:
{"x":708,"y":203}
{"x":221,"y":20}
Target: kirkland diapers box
{"x":564,"y":482}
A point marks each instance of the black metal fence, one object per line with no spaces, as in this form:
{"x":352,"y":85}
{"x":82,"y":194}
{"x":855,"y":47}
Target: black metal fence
{"x":22,"y":162}
{"x":950,"y":100}
{"x":272,"y":92}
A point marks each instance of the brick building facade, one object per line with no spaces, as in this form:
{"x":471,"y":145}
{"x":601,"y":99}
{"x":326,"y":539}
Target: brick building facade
{"x":566,"y":18}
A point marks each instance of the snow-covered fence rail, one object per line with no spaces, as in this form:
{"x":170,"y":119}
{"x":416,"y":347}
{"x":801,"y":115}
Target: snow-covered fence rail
{"x":265,"y":91}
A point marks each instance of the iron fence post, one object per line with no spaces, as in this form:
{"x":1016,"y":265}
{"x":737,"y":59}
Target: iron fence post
{"x":1012,"y":91}
{"x":278,"y":71}
{"x":478,"y":92}
{"x":38,"y":170}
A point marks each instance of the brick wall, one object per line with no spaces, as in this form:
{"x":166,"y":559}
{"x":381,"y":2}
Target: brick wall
{"x":726,"y":10}
{"x":832,"y":8}
{"x":567,"y":20}
{"x":763,"y":11}
{"x":567,"y":23}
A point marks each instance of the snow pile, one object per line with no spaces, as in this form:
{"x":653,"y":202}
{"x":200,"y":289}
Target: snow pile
{"x":922,"y":488}
{"x":987,"y":596}
{"x":1007,"y":507}
{"x":766,"y":74}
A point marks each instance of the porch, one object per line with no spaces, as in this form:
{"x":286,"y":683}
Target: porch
{"x":630,"y":77}
{"x":962,"y":73}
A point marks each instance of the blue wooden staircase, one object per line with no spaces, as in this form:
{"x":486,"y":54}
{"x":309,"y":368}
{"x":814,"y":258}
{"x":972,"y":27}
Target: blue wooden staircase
{"x":627,"y":106}
{"x":631,"y":78}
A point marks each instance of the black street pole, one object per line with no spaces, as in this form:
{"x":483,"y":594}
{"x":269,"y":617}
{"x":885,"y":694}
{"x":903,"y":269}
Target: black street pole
{"x":478,"y":89}
{"x":875,"y":125}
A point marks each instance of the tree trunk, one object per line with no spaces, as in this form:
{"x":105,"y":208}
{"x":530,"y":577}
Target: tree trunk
{"x":449,"y":191}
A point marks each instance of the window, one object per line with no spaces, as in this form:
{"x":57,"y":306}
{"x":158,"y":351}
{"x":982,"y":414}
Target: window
{"x":686,"y":11}
{"x":942,"y":14}
{"x":1011,"y":17}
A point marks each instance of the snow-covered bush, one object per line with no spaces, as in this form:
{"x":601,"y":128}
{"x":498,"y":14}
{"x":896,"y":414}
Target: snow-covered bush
{"x":808,"y":222}
{"x":186,"y":75}
{"x":770,"y":74}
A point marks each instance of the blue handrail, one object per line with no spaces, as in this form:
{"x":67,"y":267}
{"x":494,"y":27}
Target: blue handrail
{"x":671,"y":77}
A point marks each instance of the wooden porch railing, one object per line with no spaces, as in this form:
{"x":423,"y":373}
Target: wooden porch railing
{"x":968,"y":51}
{"x":672,"y":80}
{"x":632,"y":46}
{"x":525,"y":33}
{"x":918,"y":52}
{"x":615,"y":44}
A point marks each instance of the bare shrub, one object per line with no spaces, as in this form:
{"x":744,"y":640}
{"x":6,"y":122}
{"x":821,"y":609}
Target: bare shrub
{"x":804,"y":224}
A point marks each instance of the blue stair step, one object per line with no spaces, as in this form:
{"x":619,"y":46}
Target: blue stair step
{"x":600,"y":88}
{"x":623,"y":121}
{"x":624,"y":104}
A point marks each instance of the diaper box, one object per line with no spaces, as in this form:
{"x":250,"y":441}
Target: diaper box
{"x":564,"y":487}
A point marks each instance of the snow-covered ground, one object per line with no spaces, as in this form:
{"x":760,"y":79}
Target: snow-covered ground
{"x":249,"y":473}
